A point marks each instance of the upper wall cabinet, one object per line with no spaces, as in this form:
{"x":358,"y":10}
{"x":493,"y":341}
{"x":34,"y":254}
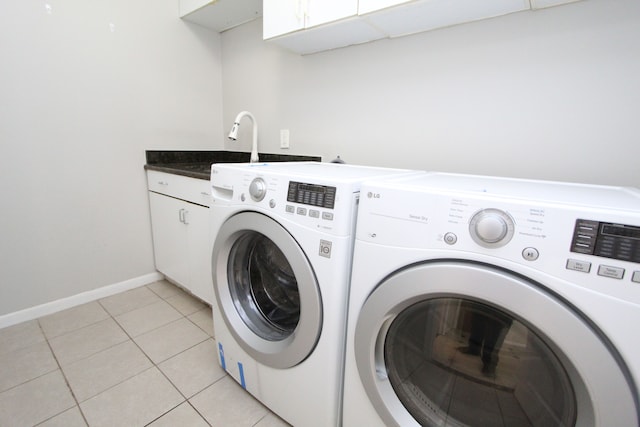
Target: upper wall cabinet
{"x":284,"y":16}
{"x":540,"y":4}
{"x":220,"y":15}
{"x":399,"y":18}
{"x":367,"y":6}
{"x":309,"y":26}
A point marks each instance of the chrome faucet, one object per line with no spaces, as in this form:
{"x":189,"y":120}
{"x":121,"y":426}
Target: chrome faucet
{"x":233,"y":135}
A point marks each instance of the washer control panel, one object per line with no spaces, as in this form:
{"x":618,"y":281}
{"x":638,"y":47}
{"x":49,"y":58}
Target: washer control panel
{"x":322,"y":196}
{"x":314,"y":204}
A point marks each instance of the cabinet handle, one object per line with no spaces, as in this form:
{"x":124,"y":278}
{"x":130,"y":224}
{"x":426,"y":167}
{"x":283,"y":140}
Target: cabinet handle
{"x":181,"y":215}
{"x":184,"y":217}
{"x":300,"y":12}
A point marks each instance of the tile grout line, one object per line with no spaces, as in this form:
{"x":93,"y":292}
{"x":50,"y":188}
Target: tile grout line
{"x":37,"y":376}
{"x":66,"y":381}
{"x":184,"y":316}
{"x":132,"y":340}
{"x":187,"y":399}
{"x":196,"y":409}
{"x":154,"y":365}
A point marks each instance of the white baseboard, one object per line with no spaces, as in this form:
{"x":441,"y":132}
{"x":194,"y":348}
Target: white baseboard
{"x":78,"y":299}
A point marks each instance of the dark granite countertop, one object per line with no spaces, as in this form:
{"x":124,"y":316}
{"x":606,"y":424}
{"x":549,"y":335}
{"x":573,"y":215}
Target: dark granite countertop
{"x":197,"y":164}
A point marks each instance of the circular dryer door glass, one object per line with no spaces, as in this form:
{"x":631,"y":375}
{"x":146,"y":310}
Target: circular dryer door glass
{"x":454,"y":361}
{"x":263,"y":287}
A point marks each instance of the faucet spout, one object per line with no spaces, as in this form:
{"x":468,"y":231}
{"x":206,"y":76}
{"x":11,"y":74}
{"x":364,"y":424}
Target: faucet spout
{"x":233,"y":135}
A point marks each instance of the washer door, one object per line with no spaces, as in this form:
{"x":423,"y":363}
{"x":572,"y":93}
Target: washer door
{"x":266,"y":290}
{"x":453,"y":343}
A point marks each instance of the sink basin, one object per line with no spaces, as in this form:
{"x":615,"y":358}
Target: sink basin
{"x":197,"y":164}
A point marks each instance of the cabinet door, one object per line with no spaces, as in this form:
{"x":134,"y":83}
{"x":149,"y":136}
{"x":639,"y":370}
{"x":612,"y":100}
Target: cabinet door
{"x":424,"y":15}
{"x":199,"y":257}
{"x":324,"y":11}
{"x":169,"y":237}
{"x":286,"y":16}
{"x":282,"y":17}
{"x":366,"y":6}
{"x":539,"y":4}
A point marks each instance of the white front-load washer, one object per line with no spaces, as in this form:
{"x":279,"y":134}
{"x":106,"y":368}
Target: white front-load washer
{"x":480,"y":301}
{"x":281,"y":263}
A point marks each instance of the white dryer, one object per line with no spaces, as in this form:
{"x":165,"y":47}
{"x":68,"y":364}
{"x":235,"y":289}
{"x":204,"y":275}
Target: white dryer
{"x":479,"y":301}
{"x":281,"y":263}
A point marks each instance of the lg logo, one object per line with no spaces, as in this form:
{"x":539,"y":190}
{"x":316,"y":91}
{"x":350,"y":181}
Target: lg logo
{"x":372,"y":195}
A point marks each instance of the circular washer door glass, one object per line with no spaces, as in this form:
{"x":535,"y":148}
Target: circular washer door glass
{"x":459,"y":362}
{"x":263,"y":287}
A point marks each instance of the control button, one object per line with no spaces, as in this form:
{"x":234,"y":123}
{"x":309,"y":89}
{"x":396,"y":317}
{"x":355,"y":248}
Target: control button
{"x":272,"y":203}
{"x":636,"y":277}
{"x":243,"y":197}
{"x":314,"y":213}
{"x":613,"y":272}
{"x":584,"y":236}
{"x":289,"y":209}
{"x":302,"y":211}
{"x":577,"y":265}
{"x":327,"y":215}
{"x":530,"y":254}
{"x":450,"y":238}
{"x":491,"y":228}
{"x":258,"y":189}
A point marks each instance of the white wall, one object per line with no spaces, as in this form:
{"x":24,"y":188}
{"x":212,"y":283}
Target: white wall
{"x":79,"y":104}
{"x":552,"y":94}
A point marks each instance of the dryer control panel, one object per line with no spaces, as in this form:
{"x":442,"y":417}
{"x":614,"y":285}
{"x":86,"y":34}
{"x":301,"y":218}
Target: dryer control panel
{"x":608,"y":240}
{"x":586,"y":235}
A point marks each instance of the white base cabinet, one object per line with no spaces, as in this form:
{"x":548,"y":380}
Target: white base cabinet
{"x":180,"y":225}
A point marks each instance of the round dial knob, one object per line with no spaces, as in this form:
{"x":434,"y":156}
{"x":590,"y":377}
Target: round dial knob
{"x":491,"y":228}
{"x":258,"y":189}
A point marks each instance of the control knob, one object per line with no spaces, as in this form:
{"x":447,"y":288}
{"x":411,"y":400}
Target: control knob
{"x":491,"y":228}
{"x":258,"y":189}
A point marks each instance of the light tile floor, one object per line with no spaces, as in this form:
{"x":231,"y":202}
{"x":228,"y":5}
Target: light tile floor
{"x":142,"y":357}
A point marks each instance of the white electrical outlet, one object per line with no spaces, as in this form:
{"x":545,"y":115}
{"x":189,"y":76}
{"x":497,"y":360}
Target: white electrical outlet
{"x":284,"y":138}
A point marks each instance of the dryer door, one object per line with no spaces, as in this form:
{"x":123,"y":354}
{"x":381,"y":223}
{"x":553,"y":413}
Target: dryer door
{"x":453,"y":343}
{"x":266,"y":289}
